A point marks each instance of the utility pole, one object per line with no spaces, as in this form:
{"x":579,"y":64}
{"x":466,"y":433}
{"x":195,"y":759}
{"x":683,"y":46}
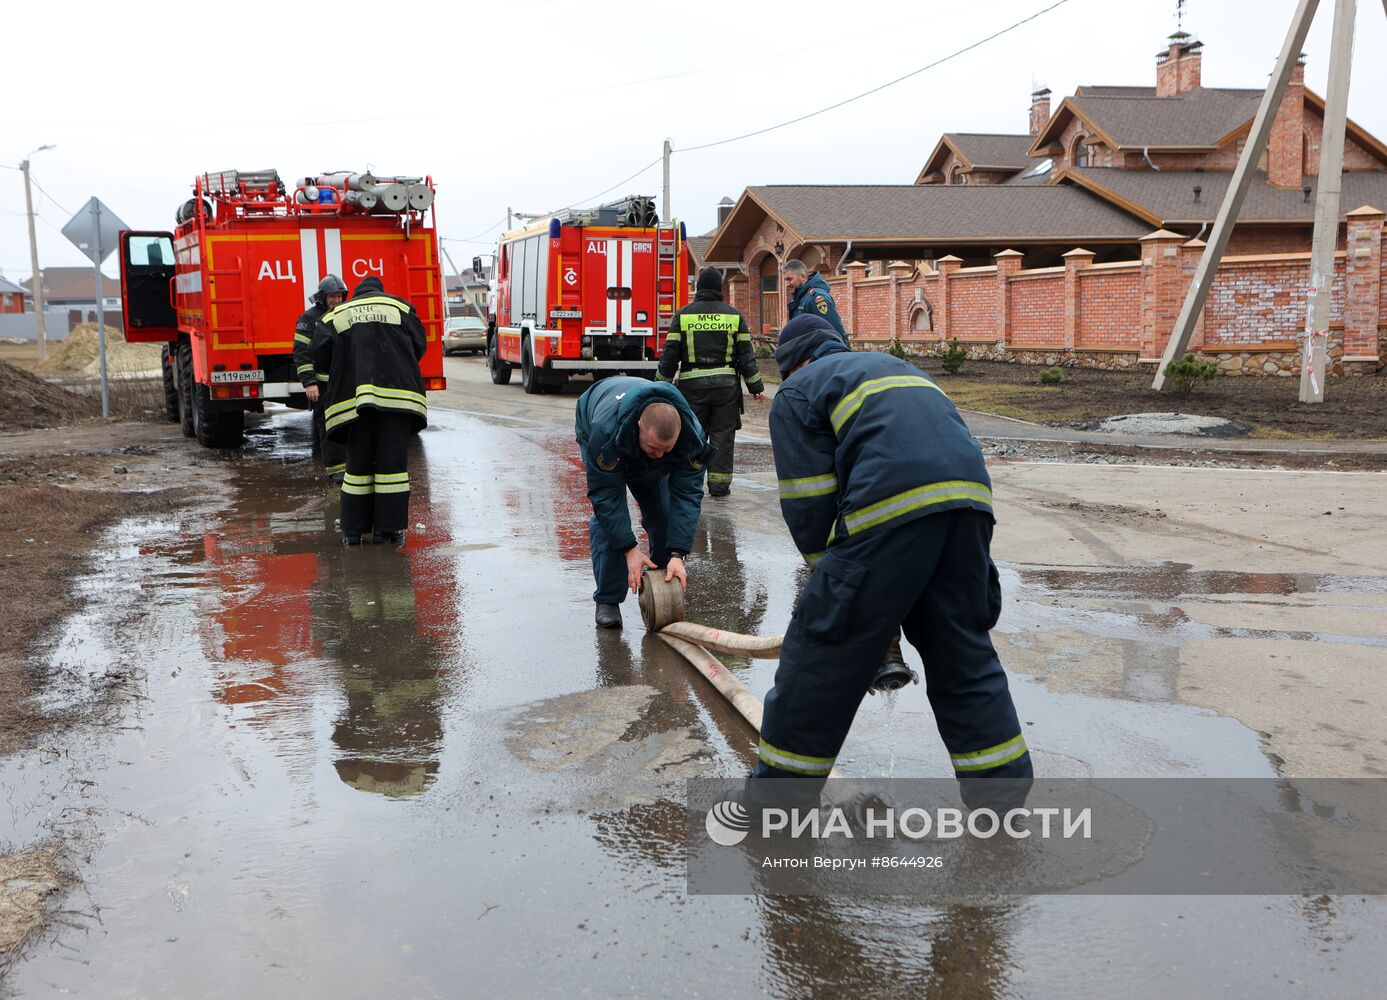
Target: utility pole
{"x":37,"y":279}
{"x":1326,"y":238}
{"x":664,"y":209}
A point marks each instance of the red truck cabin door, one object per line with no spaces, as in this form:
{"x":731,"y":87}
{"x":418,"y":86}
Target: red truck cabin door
{"x":147,"y":286}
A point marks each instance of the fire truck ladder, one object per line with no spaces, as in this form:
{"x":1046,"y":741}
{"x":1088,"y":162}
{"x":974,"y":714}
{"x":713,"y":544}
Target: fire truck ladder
{"x":666,"y":272}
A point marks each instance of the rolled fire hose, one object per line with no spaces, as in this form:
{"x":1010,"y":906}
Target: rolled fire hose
{"x":662,"y":610}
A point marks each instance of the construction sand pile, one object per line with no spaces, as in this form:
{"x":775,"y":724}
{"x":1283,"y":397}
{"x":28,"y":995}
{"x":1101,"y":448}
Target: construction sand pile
{"x":78,"y":354}
{"x":27,"y":401}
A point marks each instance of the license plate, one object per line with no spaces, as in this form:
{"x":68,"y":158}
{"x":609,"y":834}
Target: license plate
{"x":238,"y":376}
{"x":565,"y":314}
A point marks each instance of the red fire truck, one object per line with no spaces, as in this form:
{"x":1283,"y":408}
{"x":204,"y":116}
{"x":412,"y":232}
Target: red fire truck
{"x":588,"y":292}
{"x":223,"y":290}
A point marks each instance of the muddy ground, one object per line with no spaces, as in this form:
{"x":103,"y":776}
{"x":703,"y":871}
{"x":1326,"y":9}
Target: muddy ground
{"x":424,"y":773}
{"x":1354,"y":408}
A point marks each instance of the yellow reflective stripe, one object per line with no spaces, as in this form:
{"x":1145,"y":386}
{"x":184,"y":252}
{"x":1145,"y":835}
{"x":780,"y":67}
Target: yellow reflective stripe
{"x":797,"y":762}
{"x":812,"y":558}
{"x":354,"y":477}
{"x":303,"y":369}
{"x":719,"y":477}
{"x":373,"y":309}
{"x":392,"y":488}
{"x":336,"y":470}
{"x":809,"y":486}
{"x":383,"y":300}
{"x":358,"y":485}
{"x":852,"y":402}
{"x":743,"y":338}
{"x":406,"y":394}
{"x":912,"y":500}
{"x":674,"y":335}
{"x":324,"y":377}
{"x":302,"y":338}
{"x":704,"y":372}
{"x":392,"y":477}
{"x":990,"y":757}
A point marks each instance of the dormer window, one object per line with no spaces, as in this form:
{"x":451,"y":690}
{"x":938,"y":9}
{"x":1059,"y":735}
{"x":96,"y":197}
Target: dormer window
{"x":1040,"y":169}
{"x":1079,"y":154}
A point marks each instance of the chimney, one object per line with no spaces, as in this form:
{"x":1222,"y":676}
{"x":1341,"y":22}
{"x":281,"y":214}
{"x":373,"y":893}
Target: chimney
{"x":1178,"y":67}
{"x":1040,"y":110}
{"x":1285,"y":157}
{"x":725,"y":209}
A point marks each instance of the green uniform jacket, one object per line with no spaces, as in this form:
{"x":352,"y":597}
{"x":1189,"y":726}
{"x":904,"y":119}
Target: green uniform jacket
{"x":369,"y":348}
{"x":610,"y":442}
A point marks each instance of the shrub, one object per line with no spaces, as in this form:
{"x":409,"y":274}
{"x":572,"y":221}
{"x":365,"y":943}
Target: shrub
{"x":1053,"y":375}
{"x":763,"y":349}
{"x":1188,"y":372}
{"x":896,"y":350}
{"x":953,"y":357}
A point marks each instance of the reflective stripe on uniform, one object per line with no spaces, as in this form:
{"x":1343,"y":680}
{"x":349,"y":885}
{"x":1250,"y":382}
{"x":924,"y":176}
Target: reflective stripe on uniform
{"x":704,"y":372}
{"x":387,"y":399}
{"x":324,"y":377}
{"x":812,"y":558}
{"x":852,"y":402}
{"x":392,"y":482}
{"x":339,"y":469}
{"x":674,"y":335}
{"x":719,"y":477}
{"x":358,"y":485}
{"x":796,"y":762}
{"x":809,"y":486}
{"x":302,"y":370}
{"x":990,"y":757}
{"x":913,"y":500}
{"x":302,"y":338}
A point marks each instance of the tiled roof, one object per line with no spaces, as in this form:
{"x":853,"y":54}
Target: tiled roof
{"x":1198,"y":118}
{"x":74,"y":284}
{"x":943,"y":212}
{"x":986,"y":150}
{"x":8,"y":287}
{"x":1167,"y":196}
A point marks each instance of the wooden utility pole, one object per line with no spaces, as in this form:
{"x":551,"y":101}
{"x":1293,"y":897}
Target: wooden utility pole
{"x":37,"y":279}
{"x":1326,"y":239}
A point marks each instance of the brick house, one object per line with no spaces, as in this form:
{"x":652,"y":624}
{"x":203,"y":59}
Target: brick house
{"x":1112,"y":171}
{"x":12,"y":297}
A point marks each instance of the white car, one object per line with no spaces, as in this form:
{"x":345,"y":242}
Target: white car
{"x":464,"y":333}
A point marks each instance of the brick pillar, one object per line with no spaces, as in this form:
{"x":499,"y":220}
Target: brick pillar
{"x":1190,"y":253}
{"x":1362,"y":290}
{"x":1074,"y":262}
{"x":900,"y":271}
{"x":943,"y":323}
{"x":856,"y":271}
{"x":1008,"y":263}
{"x":1162,"y":290}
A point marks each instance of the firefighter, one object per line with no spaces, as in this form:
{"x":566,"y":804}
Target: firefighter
{"x":885,"y":494}
{"x":369,"y":348}
{"x":639,"y":436}
{"x":709,"y":343}
{"x":331,"y":291}
{"x":809,"y":296}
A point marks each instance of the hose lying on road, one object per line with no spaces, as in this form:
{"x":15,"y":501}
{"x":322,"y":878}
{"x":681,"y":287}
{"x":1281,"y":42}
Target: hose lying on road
{"x":662,"y":610}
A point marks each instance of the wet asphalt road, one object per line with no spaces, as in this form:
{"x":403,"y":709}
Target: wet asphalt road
{"x":424,"y":774}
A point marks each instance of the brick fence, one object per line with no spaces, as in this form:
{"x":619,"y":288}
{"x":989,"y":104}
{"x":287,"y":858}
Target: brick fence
{"x":1120,"y":315}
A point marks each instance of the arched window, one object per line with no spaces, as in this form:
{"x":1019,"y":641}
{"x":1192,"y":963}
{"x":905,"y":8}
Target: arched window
{"x":956,"y":174}
{"x":1078,"y":154}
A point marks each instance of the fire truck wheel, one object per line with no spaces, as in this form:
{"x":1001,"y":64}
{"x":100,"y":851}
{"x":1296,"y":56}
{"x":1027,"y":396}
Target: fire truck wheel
{"x":216,"y":429}
{"x":500,"y":370}
{"x":170,"y":385}
{"x":553,"y":388}
{"x":529,"y":374}
{"x":185,"y":385}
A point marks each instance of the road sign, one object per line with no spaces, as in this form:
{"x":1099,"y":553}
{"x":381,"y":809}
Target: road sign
{"x":94,"y":230}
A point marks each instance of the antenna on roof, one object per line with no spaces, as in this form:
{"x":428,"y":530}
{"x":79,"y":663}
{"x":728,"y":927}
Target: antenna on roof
{"x":1179,"y":15}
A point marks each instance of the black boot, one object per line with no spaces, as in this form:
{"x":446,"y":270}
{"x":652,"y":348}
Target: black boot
{"x":609,"y":616}
{"x":893,"y":674}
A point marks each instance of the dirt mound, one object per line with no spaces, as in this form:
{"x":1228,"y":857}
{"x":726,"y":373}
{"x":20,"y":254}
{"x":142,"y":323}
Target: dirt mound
{"x":79,"y":353}
{"x":28,"y":401}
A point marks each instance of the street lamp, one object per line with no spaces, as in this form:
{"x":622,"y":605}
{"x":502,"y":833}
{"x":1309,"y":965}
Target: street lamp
{"x":37,"y":279}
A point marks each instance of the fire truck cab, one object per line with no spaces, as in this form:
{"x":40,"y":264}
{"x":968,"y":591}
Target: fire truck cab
{"x":586,"y":293}
{"x":223,"y":290}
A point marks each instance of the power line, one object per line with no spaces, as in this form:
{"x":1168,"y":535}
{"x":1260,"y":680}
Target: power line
{"x":599,"y":194}
{"x":878,"y":89}
{"x":45,"y":193}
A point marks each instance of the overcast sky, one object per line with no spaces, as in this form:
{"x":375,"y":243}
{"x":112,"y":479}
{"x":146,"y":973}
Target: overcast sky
{"x":536,"y":104}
